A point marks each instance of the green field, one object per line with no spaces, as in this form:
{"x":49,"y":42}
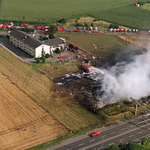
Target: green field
{"x":49,"y":11}
{"x":106,"y":44}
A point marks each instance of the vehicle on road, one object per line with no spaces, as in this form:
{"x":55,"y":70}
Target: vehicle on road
{"x":60,"y":29}
{"x":77,"y":30}
{"x":71,"y":45}
{"x":96,"y":133}
{"x":61,"y":57}
{"x":95,"y":31}
{"x":86,"y":67}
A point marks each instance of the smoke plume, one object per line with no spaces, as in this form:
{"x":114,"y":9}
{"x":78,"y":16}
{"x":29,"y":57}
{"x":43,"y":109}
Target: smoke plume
{"x":127,"y":79}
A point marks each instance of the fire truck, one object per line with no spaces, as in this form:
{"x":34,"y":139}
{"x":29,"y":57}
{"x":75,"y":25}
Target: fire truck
{"x":86,"y":67}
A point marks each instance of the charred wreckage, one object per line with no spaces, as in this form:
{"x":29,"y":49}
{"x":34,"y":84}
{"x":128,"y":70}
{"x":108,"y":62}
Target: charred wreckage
{"x":88,"y":90}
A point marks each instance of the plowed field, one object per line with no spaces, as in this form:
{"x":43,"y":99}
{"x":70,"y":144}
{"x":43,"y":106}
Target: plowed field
{"x":18,"y":110}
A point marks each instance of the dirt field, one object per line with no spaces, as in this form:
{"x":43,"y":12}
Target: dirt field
{"x":18,"y":110}
{"x":140,"y":41}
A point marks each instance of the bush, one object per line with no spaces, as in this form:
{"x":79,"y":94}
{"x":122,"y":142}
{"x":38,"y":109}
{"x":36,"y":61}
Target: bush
{"x":78,"y":24}
{"x":37,"y":60}
{"x":63,"y":20}
{"x":113,"y":26}
{"x":51,"y":36}
{"x":43,"y":59}
{"x":7,"y":36}
{"x":26,"y":30}
{"x":47,"y":55}
{"x":96,"y":19}
{"x":144,"y":141}
{"x":114,"y":147}
{"x":133,"y":146}
{"x":2,"y":36}
{"x":57,"y":51}
{"x":92,"y":24}
{"x":42,"y":38}
{"x":102,"y":116}
{"x":85,"y":24}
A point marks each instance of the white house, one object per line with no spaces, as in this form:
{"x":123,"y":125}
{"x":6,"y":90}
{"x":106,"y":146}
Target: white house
{"x":29,"y":44}
{"x":55,"y":43}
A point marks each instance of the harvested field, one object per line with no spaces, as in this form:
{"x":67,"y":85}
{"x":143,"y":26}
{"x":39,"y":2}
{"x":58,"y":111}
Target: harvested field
{"x":18,"y":110}
{"x":41,"y":90}
{"x":140,"y":41}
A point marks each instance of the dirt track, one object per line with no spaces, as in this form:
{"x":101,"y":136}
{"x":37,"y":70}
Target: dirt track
{"x":18,"y":110}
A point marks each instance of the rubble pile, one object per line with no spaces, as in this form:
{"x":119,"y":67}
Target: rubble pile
{"x":88,"y":90}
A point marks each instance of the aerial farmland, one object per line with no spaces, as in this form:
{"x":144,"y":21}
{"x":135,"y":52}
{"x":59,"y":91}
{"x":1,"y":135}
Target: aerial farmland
{"x":49,"y":11}
{"x":44,"y":103}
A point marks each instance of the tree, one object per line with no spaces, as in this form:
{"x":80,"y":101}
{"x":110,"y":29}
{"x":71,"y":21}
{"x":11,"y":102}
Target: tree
{"x":42,"y":38}
{"x":144,"y":141}
{"x":37,"y":60}
{"x":51,"y":36}
{"x":114,"y":147}
{"x":57,"y":50}
{"x":47,"y":55}
{"x":53,"y":29}
{"x":92,"y":24}
{"x":123,"y":146}
{"x":133,"y":146}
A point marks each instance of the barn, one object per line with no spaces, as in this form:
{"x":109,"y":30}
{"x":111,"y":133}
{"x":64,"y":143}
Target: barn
{"x":29,"y":44}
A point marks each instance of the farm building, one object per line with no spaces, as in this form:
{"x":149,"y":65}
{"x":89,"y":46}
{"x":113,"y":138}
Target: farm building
{"x":55,"y":43}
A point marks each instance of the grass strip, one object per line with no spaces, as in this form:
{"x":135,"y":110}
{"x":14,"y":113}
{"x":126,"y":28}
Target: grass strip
{"x":63,"y":138}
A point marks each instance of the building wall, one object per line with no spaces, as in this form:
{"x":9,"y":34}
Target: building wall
{"x":22,"y":45}
{"x":38,"y":50}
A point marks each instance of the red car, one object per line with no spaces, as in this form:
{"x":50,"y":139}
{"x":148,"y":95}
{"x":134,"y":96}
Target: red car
{"x":95,"y":133}
{"x":60,"y":29}
{"x":95,"y":31}
{"x":39,"y":27}
{"x":61,"y":57}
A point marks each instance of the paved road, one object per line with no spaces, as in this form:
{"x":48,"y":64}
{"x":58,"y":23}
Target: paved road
{"x":131,"y":130}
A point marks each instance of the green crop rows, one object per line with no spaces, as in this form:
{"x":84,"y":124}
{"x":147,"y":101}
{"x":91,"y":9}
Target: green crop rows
{"x":49,"y":11}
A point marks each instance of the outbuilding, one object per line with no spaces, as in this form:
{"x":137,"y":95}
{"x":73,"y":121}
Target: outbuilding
{"x":55,"y":43}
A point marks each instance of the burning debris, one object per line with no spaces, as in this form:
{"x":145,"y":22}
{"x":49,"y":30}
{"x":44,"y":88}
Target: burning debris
{"x":117,"y":80}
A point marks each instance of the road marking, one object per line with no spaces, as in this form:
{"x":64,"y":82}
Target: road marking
{"x":103,"y":136}
{"x":140,"y":132}
{"x":112,"y":132}
{"x":92,"y":140}
{"x":111,"y":143}
{"x":131,"y":135}
{"x":123,"y":129}
{"x":121,"y":139}
{"x":80,"y":144}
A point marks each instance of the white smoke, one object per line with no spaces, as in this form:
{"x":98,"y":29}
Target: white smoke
{"x":126,"y":80}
